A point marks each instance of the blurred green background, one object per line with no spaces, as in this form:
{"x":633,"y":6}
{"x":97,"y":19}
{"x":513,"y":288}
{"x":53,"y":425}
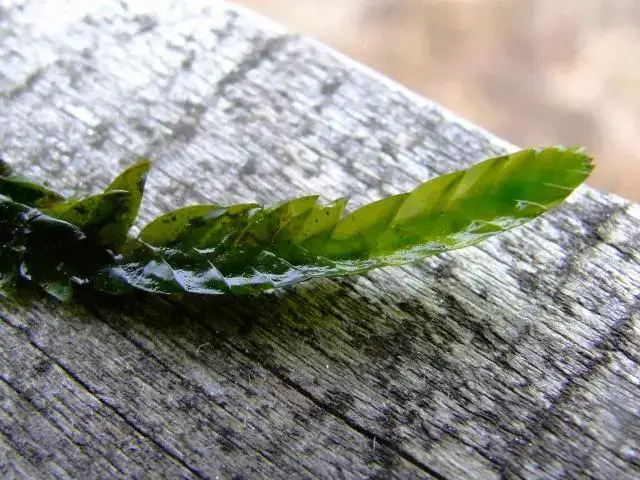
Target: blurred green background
{"x":535,"y":72}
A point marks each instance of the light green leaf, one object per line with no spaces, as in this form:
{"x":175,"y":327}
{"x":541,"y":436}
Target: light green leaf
{"x":96,"y":215}
{"x":132,"y":180}
{"x":173,"y":227}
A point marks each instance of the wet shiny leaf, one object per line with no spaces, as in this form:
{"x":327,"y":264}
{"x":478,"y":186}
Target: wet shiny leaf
{"x":213,"y":249}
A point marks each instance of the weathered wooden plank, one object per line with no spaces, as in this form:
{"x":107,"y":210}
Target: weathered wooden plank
{"x":193,"y":411}
{"x":519,"y":358}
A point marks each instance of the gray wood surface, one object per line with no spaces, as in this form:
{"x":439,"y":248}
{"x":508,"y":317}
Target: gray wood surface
{"x":517,"y":359}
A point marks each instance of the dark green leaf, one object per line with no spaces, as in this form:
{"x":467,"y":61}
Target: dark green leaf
{"x":46,"y":251}
{"x":31,"y":194}
{"x":5,"y":168}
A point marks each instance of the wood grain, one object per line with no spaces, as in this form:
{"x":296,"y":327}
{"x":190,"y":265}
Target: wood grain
{"x":517,"y":359}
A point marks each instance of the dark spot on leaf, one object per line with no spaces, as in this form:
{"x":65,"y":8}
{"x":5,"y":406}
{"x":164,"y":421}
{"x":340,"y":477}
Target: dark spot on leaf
{"x":140,"y":183}
{"x":81,"y":209}
{"x":197,"y":222}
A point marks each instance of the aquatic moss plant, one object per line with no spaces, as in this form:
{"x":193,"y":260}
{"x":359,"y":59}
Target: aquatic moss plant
{"x":55,"y":242}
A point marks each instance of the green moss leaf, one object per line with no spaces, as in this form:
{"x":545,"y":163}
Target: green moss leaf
{"x":213,"y":249}
{"x":180,"y":226}
{"x":132,"y":180}
{"x":46,"y":251}
{"x":28,"y":193}
{"x":462,"y":208}
{"x":99,"y":216}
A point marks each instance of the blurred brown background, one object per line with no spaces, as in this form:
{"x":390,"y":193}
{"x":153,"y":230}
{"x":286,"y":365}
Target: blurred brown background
{"x":535,"y":72}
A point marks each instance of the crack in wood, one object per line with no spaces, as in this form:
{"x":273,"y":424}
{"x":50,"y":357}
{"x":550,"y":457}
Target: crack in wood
{"x":73,"y":376}
{"x":574,"y":383}
{"x":346,"y":420}
{"x":82,"y":446}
